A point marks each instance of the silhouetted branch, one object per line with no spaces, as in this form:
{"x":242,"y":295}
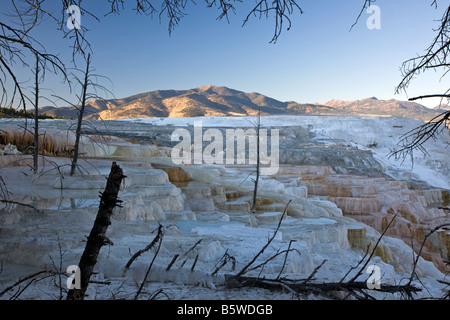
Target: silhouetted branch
{"x":353,"y":288}
{"x":158,"y":239}
{"x":17,"y":45}
{"x":148,"y":247}
{"x":435,"y":56}
{"x":244,"y":270}
{"x":417,"y":137}
{"x":367,"y":4}
{"x":311,"y":276}
{"x":413,"y":273}
{"x":374,"y":249}
{"x":80,"y":116}
{"x":175,"y":10}
{"x":19,"y":203}
{"x":4,"y":193}
{"x":223,"y":261}
{"x":18,"y":282}
{"x":258,"y":162}
{"x":431,"y":95}
{"x":224,"y":6}
{"x":280,"y":9}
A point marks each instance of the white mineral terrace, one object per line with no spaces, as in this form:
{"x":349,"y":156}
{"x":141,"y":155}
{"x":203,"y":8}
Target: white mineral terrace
{"x":333,"y":215}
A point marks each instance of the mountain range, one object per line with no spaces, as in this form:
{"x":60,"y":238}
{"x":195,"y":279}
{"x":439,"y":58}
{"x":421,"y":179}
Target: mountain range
{"x":222,"y":101}
{"x":442,"y":108}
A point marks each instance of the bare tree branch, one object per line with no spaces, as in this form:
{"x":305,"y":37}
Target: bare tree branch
{"x":281,"y":9}
{"x":150,"y":246}
{"x":413,"y":273}
{"x":417,"y":137}
{"x":436,"y":55}
{"x":430,"y":95}
{"x":224,"y":6}
{"x":244,"y":270}
{"x":158,"y":239}
{"x":367,"y":4}
{"x":373,"y":250}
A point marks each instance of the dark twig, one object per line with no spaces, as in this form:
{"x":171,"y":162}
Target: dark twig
{"x":148,"y":247}
{"x":366,"y":5}
{"x":413,"y":273}
{"x":175,"y":257}
{"x":18,"y":282}
{"x":150,"y":266}
{"x":224,"y":260}
{"x":285,"y":258}
{"x":417,"y":137}
{"x":20,"y":204}
{"x":240,"y":273}
{"x":373,"y":250}
{"x":311,"y":276}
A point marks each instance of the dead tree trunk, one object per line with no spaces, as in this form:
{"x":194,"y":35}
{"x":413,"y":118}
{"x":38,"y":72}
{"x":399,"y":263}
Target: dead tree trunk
{"x":36,"y":117}
{"x":255,"y":190}
{"x":80,"y":117}
{"x":97,"y":237}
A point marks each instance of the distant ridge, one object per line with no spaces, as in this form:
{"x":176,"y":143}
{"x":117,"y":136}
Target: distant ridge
{"x":442,"y":108}
{"x":213,"y":100}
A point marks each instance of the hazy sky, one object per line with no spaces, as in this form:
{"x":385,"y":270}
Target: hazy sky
{"x":319,"y":59}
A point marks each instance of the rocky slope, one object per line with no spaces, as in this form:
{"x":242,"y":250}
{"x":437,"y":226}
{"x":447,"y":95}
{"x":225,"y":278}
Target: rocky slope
{"x":222,"y":101}
{"x":374,"y":107}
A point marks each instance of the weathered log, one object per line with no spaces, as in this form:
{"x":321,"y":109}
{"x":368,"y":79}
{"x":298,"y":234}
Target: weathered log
{"x":298,"y":287}
{"x":97,"y":238}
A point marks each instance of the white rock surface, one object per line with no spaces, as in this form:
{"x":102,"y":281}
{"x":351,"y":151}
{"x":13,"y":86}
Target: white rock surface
{"x":214,"y":209}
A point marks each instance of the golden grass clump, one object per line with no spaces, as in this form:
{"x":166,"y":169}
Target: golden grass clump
{"x":51,"y":143}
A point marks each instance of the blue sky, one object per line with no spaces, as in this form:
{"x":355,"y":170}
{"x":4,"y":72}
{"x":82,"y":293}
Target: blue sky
{"x":317,"y":60}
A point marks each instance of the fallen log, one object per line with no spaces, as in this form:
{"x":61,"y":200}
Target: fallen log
{"x":357,"y":289}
